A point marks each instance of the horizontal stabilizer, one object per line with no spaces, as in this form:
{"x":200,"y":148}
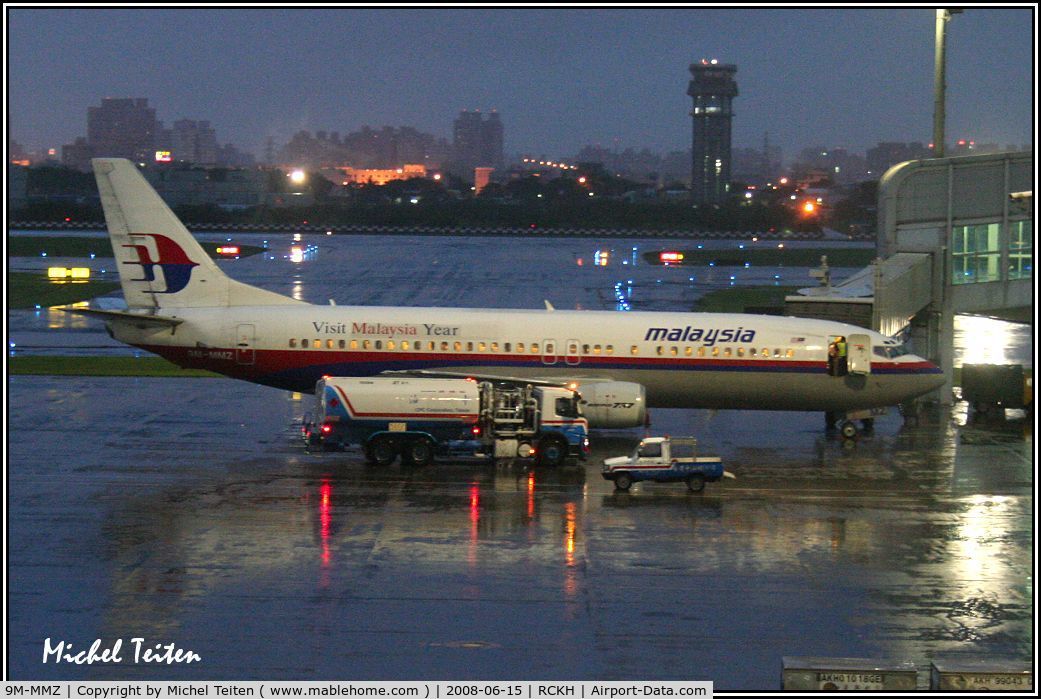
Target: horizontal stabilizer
{"x":140,"y":320}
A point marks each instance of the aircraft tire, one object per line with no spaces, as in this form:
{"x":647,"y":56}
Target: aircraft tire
{"x":849,"y":429}
{"x":695,"y":483}
{"x":623,"y":481}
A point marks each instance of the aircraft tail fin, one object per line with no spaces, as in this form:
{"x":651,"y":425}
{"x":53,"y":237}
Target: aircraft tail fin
{"x":160,"y":264}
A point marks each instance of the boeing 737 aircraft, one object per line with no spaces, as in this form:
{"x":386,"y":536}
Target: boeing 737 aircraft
{"x":181,"y":306}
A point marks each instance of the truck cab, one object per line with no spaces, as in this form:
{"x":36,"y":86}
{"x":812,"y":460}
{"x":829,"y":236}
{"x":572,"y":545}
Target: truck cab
{"x":664,"y":459}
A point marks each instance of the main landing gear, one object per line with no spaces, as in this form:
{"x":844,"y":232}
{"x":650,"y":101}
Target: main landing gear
{"x":846,"y":425}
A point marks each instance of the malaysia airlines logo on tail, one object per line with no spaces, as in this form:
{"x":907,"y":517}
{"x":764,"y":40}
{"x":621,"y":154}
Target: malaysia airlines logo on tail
{"x":170,"y":257}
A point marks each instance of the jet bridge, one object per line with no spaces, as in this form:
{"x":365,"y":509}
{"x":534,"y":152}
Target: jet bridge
{"x":955,"y":236}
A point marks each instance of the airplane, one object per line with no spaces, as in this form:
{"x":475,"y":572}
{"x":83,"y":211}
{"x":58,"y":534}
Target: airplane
{"x":182,"y":307}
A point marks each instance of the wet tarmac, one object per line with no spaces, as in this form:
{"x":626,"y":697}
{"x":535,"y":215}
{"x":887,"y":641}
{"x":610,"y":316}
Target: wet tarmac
{"x":186,"y":511}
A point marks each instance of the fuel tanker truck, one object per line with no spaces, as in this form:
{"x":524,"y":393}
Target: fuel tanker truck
{"x":420,"y":419}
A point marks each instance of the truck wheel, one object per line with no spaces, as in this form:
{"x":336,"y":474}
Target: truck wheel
{"x":695,"y":483}
{"x":623,"y":481}
{"x":383,"y":451}
{"x":552,"y":452}
{"x":420,"y":452}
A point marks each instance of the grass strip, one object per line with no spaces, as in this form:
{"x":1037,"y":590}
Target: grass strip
{"x":35,"y":365}
{"x":769,"y":257}
{"x":29,"y":289}
{"x":737,"y":299}
{"x":78,"y":246}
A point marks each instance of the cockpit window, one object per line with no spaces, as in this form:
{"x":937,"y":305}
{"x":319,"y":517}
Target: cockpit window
{"x":890,"y":351}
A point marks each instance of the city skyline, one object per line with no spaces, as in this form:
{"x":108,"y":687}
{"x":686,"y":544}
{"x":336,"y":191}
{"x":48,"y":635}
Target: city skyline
{"x":805,"y":75}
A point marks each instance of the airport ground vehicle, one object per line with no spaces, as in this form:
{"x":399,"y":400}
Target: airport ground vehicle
{"x":665,"y":459}
{"x":419,"y":419}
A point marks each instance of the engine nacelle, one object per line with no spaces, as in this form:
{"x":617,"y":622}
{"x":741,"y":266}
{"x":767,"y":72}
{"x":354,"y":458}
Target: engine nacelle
{"x":612,"y":404}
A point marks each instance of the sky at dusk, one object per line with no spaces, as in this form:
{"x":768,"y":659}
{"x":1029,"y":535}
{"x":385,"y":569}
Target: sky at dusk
{"x":560,"y":78}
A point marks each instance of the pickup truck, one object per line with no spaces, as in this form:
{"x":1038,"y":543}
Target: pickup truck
{"x":665,"y":459}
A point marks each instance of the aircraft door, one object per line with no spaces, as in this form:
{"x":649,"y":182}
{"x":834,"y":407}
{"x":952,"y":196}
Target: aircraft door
{"x":549,"y":351}
{"x":859,"y":350}
{"x":572,"y":358}
{"x":245,"y":354}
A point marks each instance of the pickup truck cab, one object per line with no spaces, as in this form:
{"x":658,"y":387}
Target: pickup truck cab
{"x":665,"y":459}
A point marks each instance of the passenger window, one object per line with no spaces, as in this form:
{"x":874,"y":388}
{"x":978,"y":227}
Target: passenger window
{"x":777,"y":353}
{"x":688,"y":351}
{"x":507,"y":347}
{"x":379,"y":344}
{"x":481,"y":347}
{"x":549,"y":348}
{"x":444,"y":346}
{"x":292,"y":342}
{"x":430,"y":346}
{"x":365,"y":344}
{"x":404,"y":344}
{"x":317,"y":344}
{"x":673,"y":351}
{"x":596,"y":349}
{"x":701,"y":351}
{"x":740,"y":351}
{"x":495,"y":347}
{"x":390,"y":344}
{"x":520,"y":346}
{"x":634,"y":350}
{"x":727,"y":352}
{"x":715,"y":351}
{"x":343,"y":344}
{"x":534,"y":348}
{"x":790,"y":353}
{"x":609,"y":349}
{"x":585,"y":349}
{"x":354,"y":344}
{"x":469,"y":347}
{"x":660,"y":350}
{"x":458,"y":346}
{"x":766,"y":352}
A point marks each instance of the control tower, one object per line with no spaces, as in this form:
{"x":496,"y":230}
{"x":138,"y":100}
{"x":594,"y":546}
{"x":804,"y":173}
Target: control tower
{"x":713,"y":89}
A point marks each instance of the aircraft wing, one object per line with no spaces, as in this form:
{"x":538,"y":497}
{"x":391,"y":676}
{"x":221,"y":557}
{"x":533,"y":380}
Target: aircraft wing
{"x":138,"y":319}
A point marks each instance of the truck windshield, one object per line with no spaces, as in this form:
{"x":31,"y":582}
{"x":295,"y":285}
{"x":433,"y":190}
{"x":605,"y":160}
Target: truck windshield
{"x":567,"y":407}
{"x":649,"y":450}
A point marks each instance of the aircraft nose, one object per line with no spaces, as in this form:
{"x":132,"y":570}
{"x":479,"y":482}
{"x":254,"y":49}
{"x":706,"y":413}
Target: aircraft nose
{"x":932,"y":375}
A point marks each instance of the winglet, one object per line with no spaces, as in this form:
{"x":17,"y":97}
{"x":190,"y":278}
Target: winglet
{"x":549,"y":306}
